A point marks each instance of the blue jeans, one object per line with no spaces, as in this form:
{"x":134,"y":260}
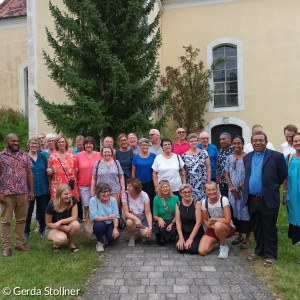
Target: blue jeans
{"x":101,"y":229}
{"x":41,"y":205}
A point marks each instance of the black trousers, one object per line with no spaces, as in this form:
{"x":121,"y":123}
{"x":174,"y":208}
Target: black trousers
{"x":224,"y":190}
{"x":148,"y":187}
{"x":263,"y":223}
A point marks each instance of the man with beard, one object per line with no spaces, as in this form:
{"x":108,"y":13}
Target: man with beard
{"x":15,"y":174}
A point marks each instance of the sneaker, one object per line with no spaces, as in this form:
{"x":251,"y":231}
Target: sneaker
{"x":26,"y":238}
{"x":223,"y":252}
{"x":43,"y":236}
{"x":37,"y":230}
{"x":131,"y":242}
{"x":99,"y":247}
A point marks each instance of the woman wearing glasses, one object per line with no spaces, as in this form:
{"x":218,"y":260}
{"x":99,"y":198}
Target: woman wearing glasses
{"x":104,"y":213}
{"x":168,"y":166}
{"x":235,"y":175}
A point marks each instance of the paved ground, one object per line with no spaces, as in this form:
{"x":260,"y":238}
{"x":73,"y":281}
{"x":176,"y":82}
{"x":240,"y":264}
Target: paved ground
{"x":151,"y":272}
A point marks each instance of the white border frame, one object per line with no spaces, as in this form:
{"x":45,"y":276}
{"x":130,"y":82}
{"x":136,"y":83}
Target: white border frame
{"x":240,"y":72}
{"x":227,"y":121}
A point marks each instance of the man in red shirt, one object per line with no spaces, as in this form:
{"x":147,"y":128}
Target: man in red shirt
{"x":15,"y":174}
{"x":181,"y":145}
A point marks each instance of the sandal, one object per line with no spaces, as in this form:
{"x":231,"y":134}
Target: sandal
{"x":56,"y":249}
{"x":74,"y":249}
{"x":270,"y":262}
{"x":253,"y":256}
{"x":245,"y":245}
{"x":238,"y":240}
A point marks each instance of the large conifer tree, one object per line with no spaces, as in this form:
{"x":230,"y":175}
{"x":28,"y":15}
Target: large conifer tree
{"x":105,"y":59}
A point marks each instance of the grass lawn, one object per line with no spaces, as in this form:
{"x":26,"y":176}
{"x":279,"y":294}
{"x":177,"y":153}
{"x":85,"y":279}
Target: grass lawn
{"x":283,"y":278}
{"x":42,"y":269}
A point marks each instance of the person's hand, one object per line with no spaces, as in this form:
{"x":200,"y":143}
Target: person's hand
{"x":180,"y":244}
{"x":66,"y":228}
{"x":30,"y":196}
{"x":207,"y":223}
{"x":111,"y":217}
{"x":218,"y":178}
{"x":188,"y":243}
{"x":138,"y":223}
{"x":92,"y":193}
{"x":115,"y":233}
{"x":284,"y":202}
{"x":156,"y":190}
{"x":149,"y":232}
{"x":161,"y":223}
{"x":2,"y":200}
{"x":169,"y":228}
{"x":57,"y":224}
{"x":235,"y":193}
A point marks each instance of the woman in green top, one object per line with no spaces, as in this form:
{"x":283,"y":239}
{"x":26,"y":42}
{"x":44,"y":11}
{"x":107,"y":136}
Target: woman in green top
{"x":164,"y":213}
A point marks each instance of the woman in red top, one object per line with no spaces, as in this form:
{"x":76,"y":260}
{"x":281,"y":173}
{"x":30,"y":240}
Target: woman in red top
{"x":62,"y":167}
{"x":86,"y":161}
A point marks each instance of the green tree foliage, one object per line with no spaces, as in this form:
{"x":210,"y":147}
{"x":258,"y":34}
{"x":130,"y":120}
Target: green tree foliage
{"x":12,"y":121}
{"x":190,"y":92}
{"x":105,"y":60}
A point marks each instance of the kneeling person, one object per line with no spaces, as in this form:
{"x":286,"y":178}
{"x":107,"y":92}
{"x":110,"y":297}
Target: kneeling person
{"x":61,"y":219}
{"x":105,"y":214}
{"x":217,"y":217}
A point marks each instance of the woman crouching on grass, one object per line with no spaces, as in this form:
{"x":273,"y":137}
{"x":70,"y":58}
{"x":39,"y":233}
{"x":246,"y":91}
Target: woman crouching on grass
{"x":61,"y":219}
{"x":217,"y":218}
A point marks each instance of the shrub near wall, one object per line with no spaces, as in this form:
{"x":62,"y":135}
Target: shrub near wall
{"x":12,"y":121}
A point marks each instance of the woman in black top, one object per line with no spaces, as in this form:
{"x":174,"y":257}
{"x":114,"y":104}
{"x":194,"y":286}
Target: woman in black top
{"x":188,"y":221}
{"x":61,"y":219}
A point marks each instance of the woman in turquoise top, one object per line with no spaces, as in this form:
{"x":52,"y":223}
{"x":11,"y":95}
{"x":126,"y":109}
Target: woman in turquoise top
{"x":164,"y":213}
{"x":291,"y":191}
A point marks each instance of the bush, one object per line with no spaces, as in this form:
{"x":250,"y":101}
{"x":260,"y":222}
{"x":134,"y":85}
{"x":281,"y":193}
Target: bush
{"x":12,"y":121}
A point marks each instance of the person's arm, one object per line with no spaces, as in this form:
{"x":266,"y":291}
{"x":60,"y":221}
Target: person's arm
{"x":233,"y":189}
{"x":149,"y":218}
{"x":155,"y":181}
{"x":284,"y":192}
{"x":122,"y":182}
{"x":93,"y":184}
{"x":2,"y":200}
{"x":208,"y":169}
{"x":180,"y":244}
{"x":30,"y":181}
{"x":196,"y":228}
{"x":204,"y":215}
{"x":133,"y":170}
{"x":183,"y":174}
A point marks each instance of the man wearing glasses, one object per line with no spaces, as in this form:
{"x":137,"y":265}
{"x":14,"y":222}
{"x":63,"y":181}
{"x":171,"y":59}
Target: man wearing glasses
{"x":42,"y":140}
{"x":225,"y":150}
{"x":181,"y":145}
{"x":154,"y":145}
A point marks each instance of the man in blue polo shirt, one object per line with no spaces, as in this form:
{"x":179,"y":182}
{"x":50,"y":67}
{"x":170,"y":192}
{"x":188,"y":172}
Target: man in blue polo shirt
{"x":212,"y":153}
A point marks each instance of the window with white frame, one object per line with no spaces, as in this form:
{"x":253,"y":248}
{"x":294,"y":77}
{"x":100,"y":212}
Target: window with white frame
{"x":227,"y":80}
{"x":225,"y":76}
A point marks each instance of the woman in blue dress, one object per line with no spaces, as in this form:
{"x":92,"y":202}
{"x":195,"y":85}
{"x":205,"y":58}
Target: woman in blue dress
{"x":235,"y":175}
{"x":291,"y":191}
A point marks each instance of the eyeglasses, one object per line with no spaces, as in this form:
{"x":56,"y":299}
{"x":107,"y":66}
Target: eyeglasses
{"x":168,"y":144}
{"x":105,"y":192}
{"x":151,"y":134}
{"x":180,"y":132}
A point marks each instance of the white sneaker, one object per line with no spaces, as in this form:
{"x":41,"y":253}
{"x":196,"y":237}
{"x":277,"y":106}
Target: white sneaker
{"x":99,"y":247}
{"x":223,"y":252}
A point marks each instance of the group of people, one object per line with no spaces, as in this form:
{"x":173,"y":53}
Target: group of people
{"x":184,"y":192}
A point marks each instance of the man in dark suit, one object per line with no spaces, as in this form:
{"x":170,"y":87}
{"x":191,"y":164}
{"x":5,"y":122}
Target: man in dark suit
{"x":265,"y":171}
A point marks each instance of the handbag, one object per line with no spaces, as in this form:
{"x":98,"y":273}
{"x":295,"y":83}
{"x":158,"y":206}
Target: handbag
{"x":71,"y":182}
{"x":88,"y":226}
{"x":180,"y":173}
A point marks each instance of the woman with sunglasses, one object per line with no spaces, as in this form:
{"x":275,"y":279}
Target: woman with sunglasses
{"x":235,"y":175}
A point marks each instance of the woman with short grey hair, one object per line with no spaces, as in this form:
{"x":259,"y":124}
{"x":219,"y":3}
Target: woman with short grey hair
{"x":142,"y":169}
{"x":105,"y":214}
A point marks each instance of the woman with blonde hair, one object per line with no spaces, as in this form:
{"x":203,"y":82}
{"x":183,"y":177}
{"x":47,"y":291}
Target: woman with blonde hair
{"x":62,"y":167}
{"x":164,"y":213}
{"x":61,"y":219}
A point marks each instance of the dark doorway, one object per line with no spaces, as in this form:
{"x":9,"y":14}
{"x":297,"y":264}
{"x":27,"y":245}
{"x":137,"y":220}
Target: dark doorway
{"x":230,"y":128}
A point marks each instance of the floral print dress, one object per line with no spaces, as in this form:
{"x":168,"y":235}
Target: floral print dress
{"x":196,"y":173}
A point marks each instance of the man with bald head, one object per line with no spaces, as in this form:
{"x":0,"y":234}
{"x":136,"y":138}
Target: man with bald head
{"x":212,"y":151}
{"x":181,"y":145}
{"x":15,"y":174}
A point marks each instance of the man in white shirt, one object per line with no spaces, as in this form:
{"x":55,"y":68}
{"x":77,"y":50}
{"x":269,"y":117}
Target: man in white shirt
{"x":287,"y":148}
{"x":257,"y":128}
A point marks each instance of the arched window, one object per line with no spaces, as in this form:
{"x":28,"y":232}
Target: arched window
{"x":225,"y":76}
{"x":227,"y":79}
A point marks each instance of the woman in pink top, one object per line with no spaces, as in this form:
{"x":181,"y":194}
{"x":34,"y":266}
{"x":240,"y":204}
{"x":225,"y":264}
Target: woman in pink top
{"x":86,"y":161}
